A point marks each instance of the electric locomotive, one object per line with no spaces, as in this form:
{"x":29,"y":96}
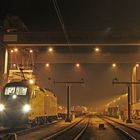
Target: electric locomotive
{"x":24,"y":104}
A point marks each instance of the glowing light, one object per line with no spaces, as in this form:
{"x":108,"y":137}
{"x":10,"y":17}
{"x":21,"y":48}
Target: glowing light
{"x":50,"y":49}
{"x":108,"y":104}
{"x":16,"y":50}
{"x":114,"y":65}
{"x":97,"y":49}
{"x":137,"y":65}
{"x":119,"y":98}
{"x":31,"y":81}
{"x":14,"y":96}
{"x":12,"y":51}
{"x":2,"y":107}
{"x":47,"y":65}
{"x":14,"y":65}
{"x":26,"y":108}
{"x":31,"y":51}
{"x":125,"y":95}
{"x":77,"y":65}
{"x":114,"y":101}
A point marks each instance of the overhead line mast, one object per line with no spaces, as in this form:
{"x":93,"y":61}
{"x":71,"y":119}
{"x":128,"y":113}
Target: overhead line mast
{"x":68,"y":85}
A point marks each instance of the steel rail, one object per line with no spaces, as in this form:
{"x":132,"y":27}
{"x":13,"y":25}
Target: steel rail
{"x":81,"y":132}
{"x":124,"y":132}
{"x":63,"y":130}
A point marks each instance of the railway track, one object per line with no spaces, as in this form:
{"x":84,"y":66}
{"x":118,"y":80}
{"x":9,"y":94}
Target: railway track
{"x":130,"y":133}
{"x":21,"y":131}
{"x":73,"y":132}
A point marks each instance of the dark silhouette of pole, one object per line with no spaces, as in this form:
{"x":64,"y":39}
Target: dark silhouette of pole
{"x":68,"y":84}
{"x":68,"y":119}
{"x":129,"y":106}
{"x":128,"y":83}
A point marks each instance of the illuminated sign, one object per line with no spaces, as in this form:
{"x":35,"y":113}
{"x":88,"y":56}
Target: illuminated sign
{"x":15,"y":90}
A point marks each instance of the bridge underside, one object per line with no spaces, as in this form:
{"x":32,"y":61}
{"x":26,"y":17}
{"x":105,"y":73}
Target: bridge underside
{"x":89,"y":58}
{"x":121,"y":47}
{"x":66,"y":54}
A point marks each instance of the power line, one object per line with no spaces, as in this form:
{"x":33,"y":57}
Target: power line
{"x":61,"y":20}
{"x":57,"y":9}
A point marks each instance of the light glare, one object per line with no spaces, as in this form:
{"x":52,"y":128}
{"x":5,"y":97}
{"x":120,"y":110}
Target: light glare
{"x":47,"y":65}
{"x":26,"y":108}
{"x":31,"y":51}
{"x":16,"y":50}
{"x":137,"y":65}
{"x":14,"y":96}
{"x":77,"y":65}
{"x":113,"y":65}
{"x":31,"y":81}
{"x":1,"y":107}
{"x":50,"y":49}
{"x":97,"y":49}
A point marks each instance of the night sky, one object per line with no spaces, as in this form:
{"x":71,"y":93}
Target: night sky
{"x":77,"y":14}
{"x":80,"y":16}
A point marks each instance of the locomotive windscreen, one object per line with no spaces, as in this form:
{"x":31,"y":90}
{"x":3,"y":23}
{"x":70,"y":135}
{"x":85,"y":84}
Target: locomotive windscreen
{"x":16,"y":90}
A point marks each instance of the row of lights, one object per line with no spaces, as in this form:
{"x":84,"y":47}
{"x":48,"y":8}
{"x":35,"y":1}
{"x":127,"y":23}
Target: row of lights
{"x":117,"y":99}
{"x":77,"y":65}
{"x":96,"y":49}
{"x":16,"y":50}
{"x":49,"y":49}
{"x":114,"y":65}
{"x":48,"y":65}
{"x":31,"y":51}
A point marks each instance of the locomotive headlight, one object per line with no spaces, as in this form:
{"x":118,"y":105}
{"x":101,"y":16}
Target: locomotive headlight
{"x":26,"y":108}
{"x":14,"y":96}
{"x":2,"y":107}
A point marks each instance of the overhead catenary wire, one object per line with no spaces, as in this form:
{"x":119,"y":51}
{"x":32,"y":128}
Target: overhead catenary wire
{"x":57,"y":9}
{"x":59,"y":15}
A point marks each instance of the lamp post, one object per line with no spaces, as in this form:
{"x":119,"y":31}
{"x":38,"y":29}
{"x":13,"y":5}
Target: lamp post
{"x":128,"y":83}
{"x":68,"y":85}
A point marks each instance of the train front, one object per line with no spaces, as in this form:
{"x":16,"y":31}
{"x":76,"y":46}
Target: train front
{"x":14,"y":105}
